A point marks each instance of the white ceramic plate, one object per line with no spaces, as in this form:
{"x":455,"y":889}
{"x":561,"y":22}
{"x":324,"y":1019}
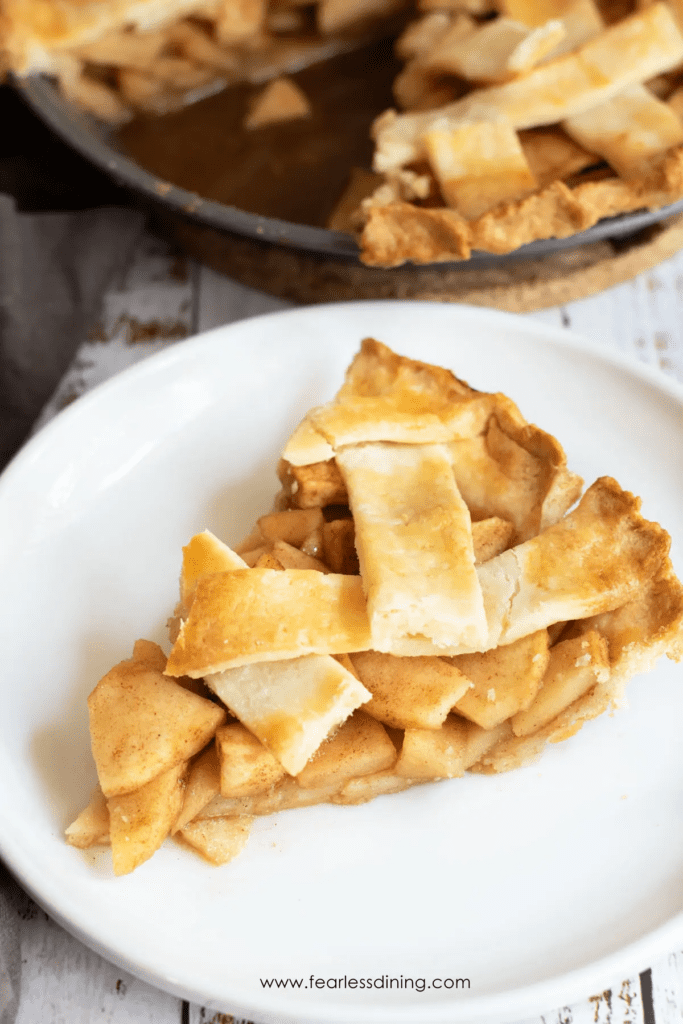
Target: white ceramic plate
{"x":538,"y":887}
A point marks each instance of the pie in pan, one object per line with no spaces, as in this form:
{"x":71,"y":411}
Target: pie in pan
{"x":514,"y":120}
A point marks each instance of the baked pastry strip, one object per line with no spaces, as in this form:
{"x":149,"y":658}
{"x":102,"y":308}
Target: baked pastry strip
{"x":594,"y":560}
{"x":628,"y":131}
{"x":291,"y":706}
{"x":259,"y":614}
{"x":403,"y":417}
{"x":203,"y":556}
{"x":502,"y":465}
{"x":478,"y":164}
{"x":307,"y":445}
{"x":387,"y":397}
{"x":640,"y":46}
{"x":414,"y":544}
{"x":496,"y":51}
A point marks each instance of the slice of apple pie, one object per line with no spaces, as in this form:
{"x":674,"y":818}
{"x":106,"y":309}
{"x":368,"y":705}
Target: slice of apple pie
{"x":432,"y":594}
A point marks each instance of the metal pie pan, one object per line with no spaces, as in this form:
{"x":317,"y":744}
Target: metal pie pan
{"x":94,"y":141}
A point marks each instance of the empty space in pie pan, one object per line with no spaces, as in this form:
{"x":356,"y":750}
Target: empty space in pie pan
{"x":96,"y":143}
{"x":485,"y":898}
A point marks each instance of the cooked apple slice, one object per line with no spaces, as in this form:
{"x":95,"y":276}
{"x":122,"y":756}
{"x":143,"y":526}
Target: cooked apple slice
{"x":312,"y":485}
{"x":434,"y":753}
{"x":504,"y":680}
{"x":203,"y":784}
{"x":409,"y":693}
{"x":291,"y":525}
{"x":140,"y":821}
{"x":280,"y":100}
{"x":150,"y":654}
{"x":91,"y":827}
{"x":283,"y":796}
{"x":361,"y":746}
{"x":447,"y":752}
{"x":574,"y":667}
{"x":217,"y":840}
{"x":246,"y":766}
{"x":290,"y":557}
{"x":142,"y":723}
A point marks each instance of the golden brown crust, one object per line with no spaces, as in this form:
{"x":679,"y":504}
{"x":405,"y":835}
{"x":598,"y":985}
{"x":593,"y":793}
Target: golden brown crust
{"x":556,"y":487}
{"x":642,"y":44}
{"x":596,"y":559}
{"x":292,"y":705}
{"x":386,"y":397}
{"x":414,"y":543}
{"x":643,"y":629}
{"x":490,"y":537}
{"x":401,"y":232}
{"x":637,"y":634}
{"x":268,"y":615}
{"x":204,"y":555}
{"x":515,"y":471}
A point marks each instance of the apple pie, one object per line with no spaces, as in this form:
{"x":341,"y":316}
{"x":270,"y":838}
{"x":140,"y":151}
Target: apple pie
{"x":513,"y":120}
{"x":432,"y":593}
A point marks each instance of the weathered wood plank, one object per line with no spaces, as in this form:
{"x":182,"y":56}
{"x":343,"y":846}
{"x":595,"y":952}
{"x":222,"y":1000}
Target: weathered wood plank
{"x":667,"y":989}
{"x":641,"y":318}
{"x":619,"y":1004}
{"x":201,"y":1015}
{"x":62,"y":982}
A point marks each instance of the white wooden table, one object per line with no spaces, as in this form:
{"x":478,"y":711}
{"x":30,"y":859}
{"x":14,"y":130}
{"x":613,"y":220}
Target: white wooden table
{"x":158,"y":300}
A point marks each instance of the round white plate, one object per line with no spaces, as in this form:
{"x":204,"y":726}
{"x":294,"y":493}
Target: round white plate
{"x":481,"y":899}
